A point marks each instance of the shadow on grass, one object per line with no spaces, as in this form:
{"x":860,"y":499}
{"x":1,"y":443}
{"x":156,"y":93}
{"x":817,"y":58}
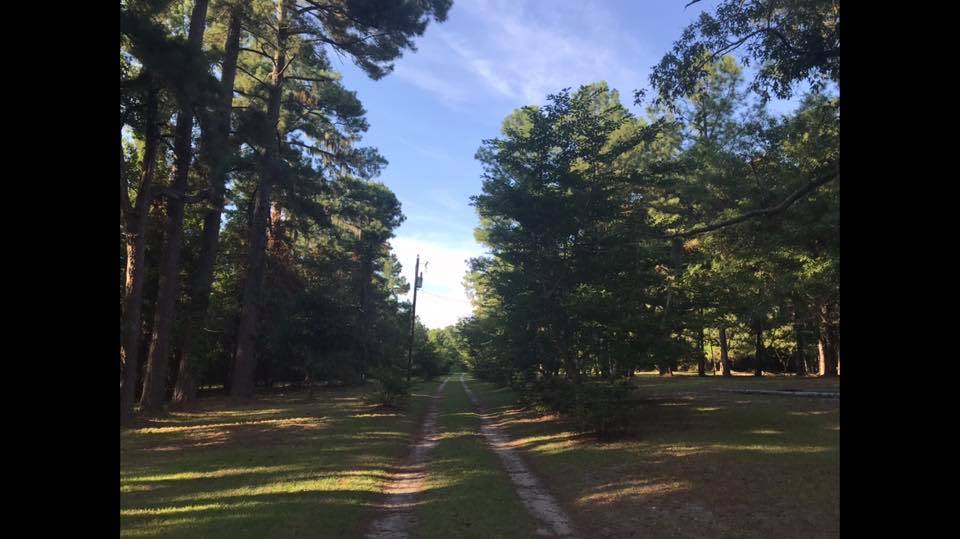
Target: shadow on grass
{"x":698,"y":464}
{"x":279,"y":466}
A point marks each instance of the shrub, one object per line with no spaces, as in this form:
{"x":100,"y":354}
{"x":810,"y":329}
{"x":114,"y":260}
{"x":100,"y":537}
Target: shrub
{"x":604,"y":408}
{"x":553,"y":393}
{"x":390,"y":390}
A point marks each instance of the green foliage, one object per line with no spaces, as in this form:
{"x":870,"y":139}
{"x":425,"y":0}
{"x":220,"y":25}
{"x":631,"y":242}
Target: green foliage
{"x":788,"y":41}
{"x":601,"y":407}
{"x":432,"y":353}
{"x":587,"y":214}
{"x":390,"y":389}
{"x":605,"y":408}
{"x":331,"y":307}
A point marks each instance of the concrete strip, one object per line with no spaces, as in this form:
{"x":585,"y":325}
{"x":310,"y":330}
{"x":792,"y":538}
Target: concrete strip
{"x":539,"y":502}
{"x":820,"y":394}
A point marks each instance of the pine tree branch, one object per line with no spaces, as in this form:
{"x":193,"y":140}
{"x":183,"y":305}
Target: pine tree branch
{"x":251,"y":75}
{"x":310,"y":79}
{"x":249,"y":95}
{"x":808,"y":187}
{"x":255,"y":51}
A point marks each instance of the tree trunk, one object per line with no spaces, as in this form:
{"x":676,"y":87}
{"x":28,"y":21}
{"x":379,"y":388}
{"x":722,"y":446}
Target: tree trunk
{"x":836,"y":335}
{"x":135,"y":226}
{"x":828,"y":342}
{"x":822,"y":354}
{"x":155,"y":380}
{"x":724,"y":357}
{"x":702,"y":358}
{"x":799,"y":361}
{"x":275,"y":241}
{"x":245,"y":361}
{"x":216,"y":148}
{"x":758,"y":368}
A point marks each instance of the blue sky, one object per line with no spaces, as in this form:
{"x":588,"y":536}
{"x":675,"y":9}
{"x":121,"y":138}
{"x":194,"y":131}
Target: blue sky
{"x":490,"y":57}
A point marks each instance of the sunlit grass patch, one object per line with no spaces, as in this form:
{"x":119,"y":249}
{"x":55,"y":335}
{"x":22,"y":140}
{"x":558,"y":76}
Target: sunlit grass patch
{"x":640,"y":491}
{"x":549,"y":443}
{"x":772,"y":448}
{"x":456,"y":434}
{"x":291,"y":421}
{"x":809,"y":413}
{"x":186,"y":509}
{"x":225,"y":472}
{"x":278,"y":466}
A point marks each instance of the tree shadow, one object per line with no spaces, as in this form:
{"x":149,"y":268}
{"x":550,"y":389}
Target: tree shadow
{"x":697,"y":464}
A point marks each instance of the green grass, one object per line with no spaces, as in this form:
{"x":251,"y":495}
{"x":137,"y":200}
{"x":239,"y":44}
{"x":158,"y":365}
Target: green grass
{"x":468,"y":493}
{"x":277,"y":467}
{"x":703,"y":463}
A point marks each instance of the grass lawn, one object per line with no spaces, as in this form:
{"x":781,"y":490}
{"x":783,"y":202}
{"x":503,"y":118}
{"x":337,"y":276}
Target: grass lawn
{"x":703,"y":464}
{"x":277,"y":467}
{"x":467,"y":493}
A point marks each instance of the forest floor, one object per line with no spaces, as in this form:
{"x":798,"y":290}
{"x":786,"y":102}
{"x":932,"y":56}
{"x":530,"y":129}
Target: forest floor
{"x":703,"y":463}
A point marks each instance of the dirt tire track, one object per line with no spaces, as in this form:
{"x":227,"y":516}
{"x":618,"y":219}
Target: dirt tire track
{"x":538,"y":501}
{"x":397,"y":518}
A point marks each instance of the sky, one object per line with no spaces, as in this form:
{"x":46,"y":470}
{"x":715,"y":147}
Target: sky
{"x":490,"y":57}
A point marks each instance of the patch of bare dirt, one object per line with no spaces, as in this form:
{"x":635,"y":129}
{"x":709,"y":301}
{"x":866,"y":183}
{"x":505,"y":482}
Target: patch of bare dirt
{"x":404,"y":485}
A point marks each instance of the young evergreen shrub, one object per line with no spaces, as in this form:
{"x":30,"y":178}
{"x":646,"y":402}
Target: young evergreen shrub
{"x":390,"y":390}
{"x":556,"y":393}
{"x":604,"y":408}
{"x":524,"y":385}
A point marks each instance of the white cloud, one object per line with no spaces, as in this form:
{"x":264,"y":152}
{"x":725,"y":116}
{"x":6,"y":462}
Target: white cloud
{"x":452,"y":94}
{"x":442,"y":300}
{"x":523,"y":51}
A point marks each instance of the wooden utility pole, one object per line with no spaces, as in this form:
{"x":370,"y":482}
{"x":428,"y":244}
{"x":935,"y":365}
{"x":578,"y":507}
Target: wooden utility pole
{"x":417,"y":283}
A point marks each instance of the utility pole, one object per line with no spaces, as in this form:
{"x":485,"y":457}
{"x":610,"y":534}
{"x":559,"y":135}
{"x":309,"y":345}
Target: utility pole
{"x":417,"y":283}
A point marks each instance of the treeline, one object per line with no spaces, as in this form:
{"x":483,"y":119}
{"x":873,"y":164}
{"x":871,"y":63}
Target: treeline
{"x":254,"y":240}
{"x":705,"y":233}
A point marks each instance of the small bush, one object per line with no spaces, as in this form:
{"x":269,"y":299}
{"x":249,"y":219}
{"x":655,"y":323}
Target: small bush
{"x":556,"y":393}
{"x":604,"y":408}
{"x":390,"y":390}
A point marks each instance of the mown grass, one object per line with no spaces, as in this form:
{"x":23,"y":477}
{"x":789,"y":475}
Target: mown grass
{"x":467,"y":493}
{"x":702,"y":463}
{"x":276,"y":467}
